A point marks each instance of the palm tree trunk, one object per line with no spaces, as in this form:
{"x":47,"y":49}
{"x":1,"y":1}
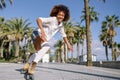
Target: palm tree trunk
{"x":71,"y":52}
{"x":1,"y":52}
{"x":82,"y":47}
{"x":64,"y":52}
{"x":115,"y":54}
{"x":62,"y":56}
{"x":1,"y":47}
{"x":9,"y":50}
{"x":17,"y":49}
{"x":112,"y":49}
{"x":56,"y":57}
{"x":106,"y":51}
{"x":59,"y":57}
{"x":88,"y":41}
{"x":78,"y":52}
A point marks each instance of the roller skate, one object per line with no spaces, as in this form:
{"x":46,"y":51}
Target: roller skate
{"x":29,"y":75}
{"x":25,"y":68}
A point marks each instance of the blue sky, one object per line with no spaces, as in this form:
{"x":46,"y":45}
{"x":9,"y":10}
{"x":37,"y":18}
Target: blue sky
{"x":31,"y":9}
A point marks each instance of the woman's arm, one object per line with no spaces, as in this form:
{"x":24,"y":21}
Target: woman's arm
{"x":68,"y":44}
{"x":39,"y":22}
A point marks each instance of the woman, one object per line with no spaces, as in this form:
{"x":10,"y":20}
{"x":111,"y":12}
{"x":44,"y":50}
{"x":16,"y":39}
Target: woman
{"x":47,"y":28}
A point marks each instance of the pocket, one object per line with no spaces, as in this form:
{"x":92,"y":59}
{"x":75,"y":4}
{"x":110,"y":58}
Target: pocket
{"x":34,"y":35}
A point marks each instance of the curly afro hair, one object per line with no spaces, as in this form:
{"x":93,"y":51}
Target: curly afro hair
{"x":58,"y":8}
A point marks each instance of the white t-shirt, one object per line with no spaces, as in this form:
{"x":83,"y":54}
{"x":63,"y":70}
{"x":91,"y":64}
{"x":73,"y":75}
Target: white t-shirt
{"x":51,"y":27}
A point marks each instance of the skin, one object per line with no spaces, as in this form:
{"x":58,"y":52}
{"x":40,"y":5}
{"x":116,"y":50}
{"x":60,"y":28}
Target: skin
{"x":40,"y":39}
{"x":60,"y":17}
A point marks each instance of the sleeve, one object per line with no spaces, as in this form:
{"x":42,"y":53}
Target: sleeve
{"x":62,"y":32}
{"x":47,"y":20}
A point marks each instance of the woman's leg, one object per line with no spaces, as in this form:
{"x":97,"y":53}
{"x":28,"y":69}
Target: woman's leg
{"x":27,"y":64}
{"x":41,"y":52}
{"x":32,"y":58}
{"x":37,"y":45}
{"x":38,"y":57}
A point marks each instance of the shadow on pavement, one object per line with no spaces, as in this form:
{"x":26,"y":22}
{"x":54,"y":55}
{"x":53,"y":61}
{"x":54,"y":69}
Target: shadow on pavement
{"x":91,"y":74}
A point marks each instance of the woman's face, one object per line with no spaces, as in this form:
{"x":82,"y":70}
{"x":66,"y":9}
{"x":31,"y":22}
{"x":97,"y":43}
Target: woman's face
{"x":60,"y":16}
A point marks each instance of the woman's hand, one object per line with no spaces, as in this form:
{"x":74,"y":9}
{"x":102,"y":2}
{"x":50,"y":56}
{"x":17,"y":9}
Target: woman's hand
{"x":70,"y":47}
{"x":43,"y":36}
{"x":68,"y":44}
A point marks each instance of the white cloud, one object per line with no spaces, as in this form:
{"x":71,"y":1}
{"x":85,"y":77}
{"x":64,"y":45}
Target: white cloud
{"x":98,"y":49}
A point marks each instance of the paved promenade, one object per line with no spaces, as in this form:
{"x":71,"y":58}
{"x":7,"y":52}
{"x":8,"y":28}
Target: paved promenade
{"x":55,"y":71}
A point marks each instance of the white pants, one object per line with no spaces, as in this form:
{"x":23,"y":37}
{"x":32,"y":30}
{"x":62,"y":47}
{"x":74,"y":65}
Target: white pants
{"x":36,"y":57}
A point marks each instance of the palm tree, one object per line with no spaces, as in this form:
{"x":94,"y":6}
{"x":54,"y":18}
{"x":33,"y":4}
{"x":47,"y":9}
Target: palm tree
{"x":110,"y":23}
{"x":3,"y":38}
{"x":90,"y":16}
{"x":93,"y":15}
{"x":104,"y":37}
{"x":80,"y":37}
{"x":29,"y":45}
{"x":70,"y":30}
{"x":116,"y":50}
{"x":118,"y":45}
{"x":83,"y":36}
{"x":88,"y":34}
{"x":57,"y":55}
{"x":59,"y":50}
{"x":18,"y":27}
{"x":3,"y":3}
{"x":2,"y":21}
{"x":6,"y":38}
